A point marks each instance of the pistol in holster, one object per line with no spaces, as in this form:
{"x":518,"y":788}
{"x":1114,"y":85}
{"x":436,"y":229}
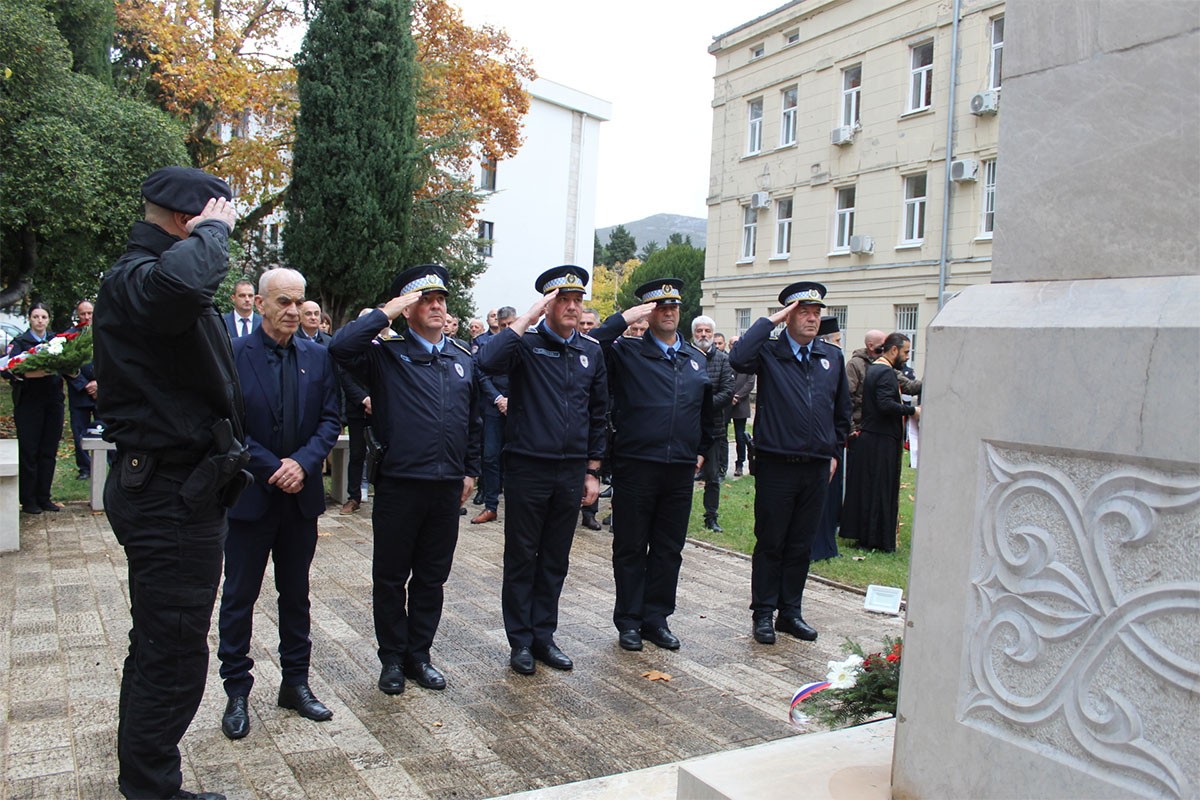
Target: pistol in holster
{"x":221,"y":474}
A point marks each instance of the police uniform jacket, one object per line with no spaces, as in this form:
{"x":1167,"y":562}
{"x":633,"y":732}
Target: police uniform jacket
{"x":160,"y":349}
{"x":662,"y":409}
{"x":424,"y":407}
{"x":558,"y":393}
{"x":801,"y":412}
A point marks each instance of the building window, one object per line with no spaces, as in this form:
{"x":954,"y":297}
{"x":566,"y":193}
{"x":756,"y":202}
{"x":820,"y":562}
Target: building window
{"x":844,"y":219}
{"x":906,"y":323}
{"x":842,"y":316}
{"x":487,"y":174}
{"x":741,"y":318}
{"x":920,"y":95}
{"x":989,"y":197}
{"x":783,"y":227}
{"x":851,"y":94}
{"x":787,"y":126}
{"x":914,"y":209}
{"x":487,"y":234}
{"x":749,"y":233}
{"x":995,"y":70}
{"x":758,"y":51}
{"x":754,"y":139}
{"x":791,"y":37}
{"x":273,"y":233}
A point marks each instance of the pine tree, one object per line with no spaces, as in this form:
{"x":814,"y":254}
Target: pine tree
{"x":621,"y":246}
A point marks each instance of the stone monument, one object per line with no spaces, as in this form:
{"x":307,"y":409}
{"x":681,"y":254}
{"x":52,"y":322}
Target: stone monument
{"x":1053,"y":639}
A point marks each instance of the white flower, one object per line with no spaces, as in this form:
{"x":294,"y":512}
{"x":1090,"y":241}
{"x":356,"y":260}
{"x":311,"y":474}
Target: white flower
{"x":844,"y":674}
{"x":55,"y":347}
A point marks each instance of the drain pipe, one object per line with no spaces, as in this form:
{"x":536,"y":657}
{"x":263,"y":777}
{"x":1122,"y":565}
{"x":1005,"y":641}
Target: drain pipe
{"x":943,"y":260}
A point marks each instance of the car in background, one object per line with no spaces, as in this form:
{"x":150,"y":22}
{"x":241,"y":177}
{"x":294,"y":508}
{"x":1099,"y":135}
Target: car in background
{"x":8,"y":332}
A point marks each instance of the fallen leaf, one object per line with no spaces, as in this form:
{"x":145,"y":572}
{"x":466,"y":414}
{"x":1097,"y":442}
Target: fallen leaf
{"x":324,"y":533}
{"x":859,"y":558}
{"x":437,"y":724}
{"x":911,"y":499}
{"x":655,"y":675}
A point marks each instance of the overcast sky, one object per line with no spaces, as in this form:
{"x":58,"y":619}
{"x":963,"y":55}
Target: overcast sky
{"x":649,"y":58}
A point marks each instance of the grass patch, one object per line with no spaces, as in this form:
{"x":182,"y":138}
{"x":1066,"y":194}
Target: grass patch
{"x":853,"y":566}
{"x":66,"y":487}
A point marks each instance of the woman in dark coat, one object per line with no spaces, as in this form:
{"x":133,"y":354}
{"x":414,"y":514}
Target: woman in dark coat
{"x":872,"y":505}
{"x":38,"y":413}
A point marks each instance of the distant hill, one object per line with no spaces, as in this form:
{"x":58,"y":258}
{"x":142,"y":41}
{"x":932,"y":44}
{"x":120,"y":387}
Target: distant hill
{"x":659,"y":228}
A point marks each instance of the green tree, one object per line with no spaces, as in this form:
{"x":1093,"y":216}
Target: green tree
{"x":599,"y":254}
{"x":350,"y":204}
{"x":674,"y":261}
{"x":650,"y":248}
{"x":621,"y":246}
{"x":678,"y":238}
{"x":75,"y":154}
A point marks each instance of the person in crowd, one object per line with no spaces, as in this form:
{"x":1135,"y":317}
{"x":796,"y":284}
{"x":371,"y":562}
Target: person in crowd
{"x":326,"y":324}
{"x":494,"y":401}
{"x":292,"y":423}
{"x":358,"y":418}
{"x":637,"y":330}
{"x":493,"y":322}
{"x":739,"y":413}
{"x":81,"y":395}
{"x":173,"y":405}
{"x":873,"y":489}
{"x":663,"y":408}
{"x":720,"y":375}
{"x":825,"y":542}
{"x":558,"y":396}
{"x":425,"y":412}
{"x":38,"y":414}
{"x":310,"y":322}
{"x":243,"y":319}
{"x":719,"y":342}
{"x":475,"y":327}
{"x":450,"y":328}
{"x":803,"y":413}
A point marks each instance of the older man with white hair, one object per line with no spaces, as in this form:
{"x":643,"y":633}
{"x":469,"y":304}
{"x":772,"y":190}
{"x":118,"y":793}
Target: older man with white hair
{"x":720,"y":374}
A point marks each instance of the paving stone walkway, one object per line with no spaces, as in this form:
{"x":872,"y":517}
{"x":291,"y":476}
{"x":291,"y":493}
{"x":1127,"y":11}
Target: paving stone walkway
{"x":63,"y":632}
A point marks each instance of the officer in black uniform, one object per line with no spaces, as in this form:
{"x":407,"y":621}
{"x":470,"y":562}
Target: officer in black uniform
{"x":803,"y":416}
{"x":662,"y":413}
{"x":173,"y":406}
{"x":425,"y":413}
{"x":555,"y":440}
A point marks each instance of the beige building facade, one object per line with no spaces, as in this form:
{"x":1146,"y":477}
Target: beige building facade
{"x":830,"y":130}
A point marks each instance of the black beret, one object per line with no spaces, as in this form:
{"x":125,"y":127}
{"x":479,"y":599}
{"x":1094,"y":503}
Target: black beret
{"x":184,"y":189}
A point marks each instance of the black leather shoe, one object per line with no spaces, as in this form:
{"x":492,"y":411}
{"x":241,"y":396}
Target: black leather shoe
{"x":301,"y":699}
{"x":235,"y":722}
{"x":551,"y":656}
{"x":30,"y":510}
{"x":425,"y":674}
{"x":391,"y":679}
{"x":711,"y":524}
{"x":48,"y":506}
{"x":661,"y":636}
{"x":764,"y":631}
{"x":796,"y":627}
{"x":184,"y":794}
{"x":521,"y":661}
{"x":630,"y":640}
{"x":589,"y":521}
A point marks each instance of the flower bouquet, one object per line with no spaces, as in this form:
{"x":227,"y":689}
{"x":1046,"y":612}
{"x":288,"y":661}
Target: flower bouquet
{"x":862,"y":687}
{"x":66,"y":352}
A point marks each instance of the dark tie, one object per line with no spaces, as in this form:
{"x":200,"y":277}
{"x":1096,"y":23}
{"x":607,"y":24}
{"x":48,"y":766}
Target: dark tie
{"x":245,"y":327}
{"x":289,"y":395}
{"x":802,"y":354}
{"x":670,"y":354}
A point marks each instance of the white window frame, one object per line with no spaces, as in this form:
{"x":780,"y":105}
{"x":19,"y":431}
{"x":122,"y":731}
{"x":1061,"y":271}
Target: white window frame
{"x":789,"y":116}
{"x":920,"y":86}
{"x":851,"y":97}
{"x":757,"y":51}
{"x":987,"y":225}
{"x":791,"y":37}
{"x":741,"y":320}
{"x":784,"y":209}
{"x":915,"y":206}
{"x":487,"y":236}
{"x":487,"y":174}
{"x":906,"y":322}
{"x":842,"y":314}
{"x":843,"y":218}
{"x":996,"y":61}
{"x":749,"y":233}
{"x":754,"y":134}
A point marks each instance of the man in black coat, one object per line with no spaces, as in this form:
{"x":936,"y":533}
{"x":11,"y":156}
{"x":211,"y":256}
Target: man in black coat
{"x":720,"y":374}
{"x":81,"y":395}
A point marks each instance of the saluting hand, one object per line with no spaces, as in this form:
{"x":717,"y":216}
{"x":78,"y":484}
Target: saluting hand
{"x":289,"y":477}
{"x":638,"y":313}
{"x":216,"y":208}
{"x":535,"y":312}
{"x":782,"y":314}
{"x":396,"y":305}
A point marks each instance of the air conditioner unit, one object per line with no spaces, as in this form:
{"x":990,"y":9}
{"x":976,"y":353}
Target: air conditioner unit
{"x":760,"y":200}
{"x":965,"y":170}
{"x":842,"y":135}
{"x":985,"y":103}
{"x":862,"y":244}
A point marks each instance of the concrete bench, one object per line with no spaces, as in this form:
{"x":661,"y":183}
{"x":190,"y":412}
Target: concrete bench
{"x":340,"y":458}
{"x":10,"y":517}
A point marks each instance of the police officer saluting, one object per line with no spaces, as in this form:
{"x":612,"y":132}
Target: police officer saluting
{"x":662,"y":413}
{"x":173,"y":406}
{"x":802,"y":417}
{"x":425,"y":413}
{"x":558,"y":393}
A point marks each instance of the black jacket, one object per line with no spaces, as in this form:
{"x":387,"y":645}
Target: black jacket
{"x":557,"y":393}
{"x":721,"y":376}
{"x":39,"y":391}
{"x":424,"y":408}
{"x":160,"y":349}
{"x":883,"y":411}
{"x":801,"y":411}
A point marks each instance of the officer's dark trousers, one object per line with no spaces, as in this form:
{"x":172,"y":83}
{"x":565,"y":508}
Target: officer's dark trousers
{"x":357,"y":429}
{"x":739,"y":436}
{"x":788,"y":498}
{"x":712,"y":472}
{"x":541,"y":507}
{"x":290,"y":540}
{"x":39,"y":427}
{"x":493,"y":469}
{"x":651,"y":505}
{"x":174,"y":558}
{"x":416,"y":529}
{"x":81,"y":418}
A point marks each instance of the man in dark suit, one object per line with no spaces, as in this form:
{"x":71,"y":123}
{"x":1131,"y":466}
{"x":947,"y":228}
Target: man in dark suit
{"x":243,"y":320}
{"x":310,"y":323}
{"x":292,"y":422}
{"x":81,"y":395}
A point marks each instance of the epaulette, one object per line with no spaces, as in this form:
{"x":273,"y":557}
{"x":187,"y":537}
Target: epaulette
{"x":395,"y":337}
{"x":459,"y":345}
{"x":774,"y":335}
{"x":588,"y":337}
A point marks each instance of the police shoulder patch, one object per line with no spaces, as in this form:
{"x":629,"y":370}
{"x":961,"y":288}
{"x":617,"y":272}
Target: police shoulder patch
{"x":589,"y":338}
{"x":458,"y":344}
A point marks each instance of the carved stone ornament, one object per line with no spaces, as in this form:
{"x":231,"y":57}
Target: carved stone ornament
{"x":1084,"y":641}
